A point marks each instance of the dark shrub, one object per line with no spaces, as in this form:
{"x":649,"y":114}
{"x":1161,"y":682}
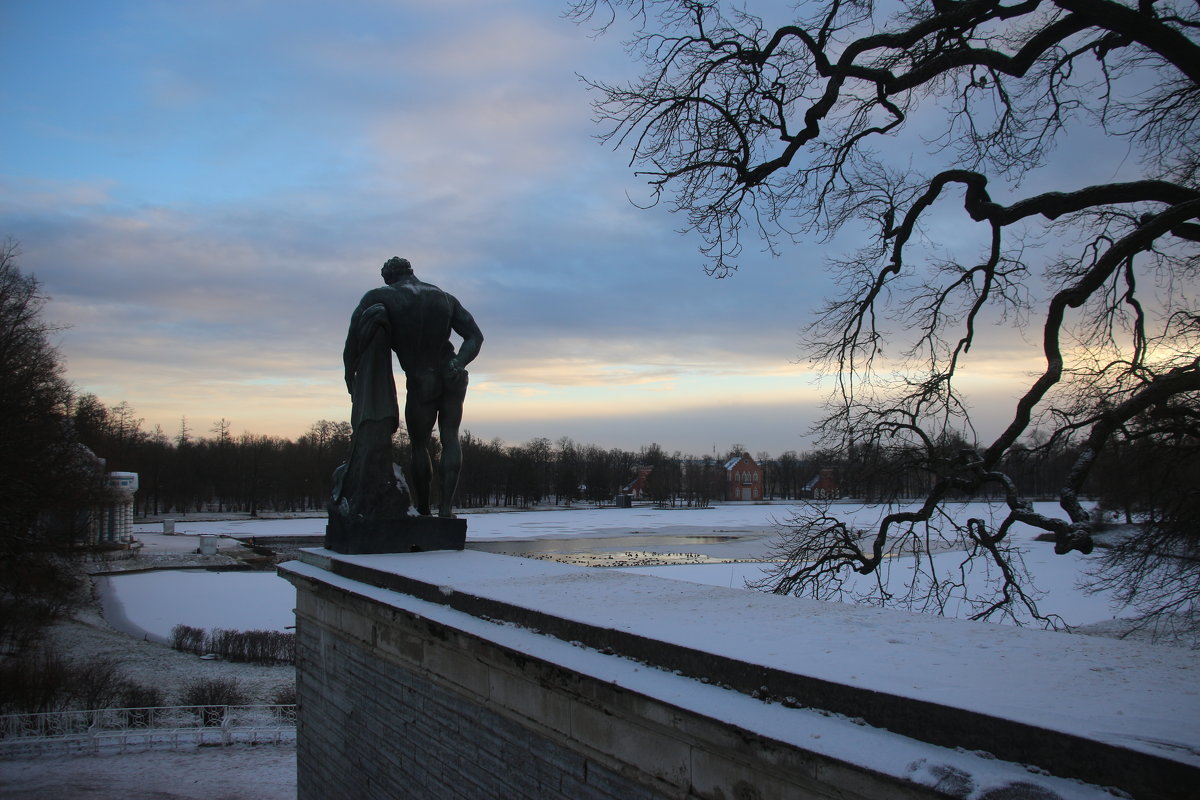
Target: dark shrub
{"x":98,"y":683}
{"x":213,"y":692}
{"x":284,"y":695}
{"x":141,"y":695}
{"x":37,"y":681}
{"x":207,"y":697}
{"x":43,"y":680}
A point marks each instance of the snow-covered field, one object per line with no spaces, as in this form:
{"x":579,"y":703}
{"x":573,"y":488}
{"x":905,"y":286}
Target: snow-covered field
{"x":152,"y":603}
{"x":1058,"y":580}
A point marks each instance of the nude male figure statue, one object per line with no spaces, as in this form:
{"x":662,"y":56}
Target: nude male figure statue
{"x":414,"y":320}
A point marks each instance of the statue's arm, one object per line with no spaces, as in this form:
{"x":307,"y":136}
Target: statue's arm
{"x":353,"y":347}
{"x":464,"y":325}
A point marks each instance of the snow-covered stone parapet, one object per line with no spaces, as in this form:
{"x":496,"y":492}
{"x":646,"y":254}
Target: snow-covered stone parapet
{"x":530,"y":678}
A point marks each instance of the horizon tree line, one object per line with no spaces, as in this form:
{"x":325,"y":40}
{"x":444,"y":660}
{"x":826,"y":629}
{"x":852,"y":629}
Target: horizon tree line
{"x":251,"y":473}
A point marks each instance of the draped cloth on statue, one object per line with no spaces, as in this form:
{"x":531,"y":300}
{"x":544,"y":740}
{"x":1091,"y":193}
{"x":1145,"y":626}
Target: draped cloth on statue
{"x":369,"y":485}
{"x":374,"y":392}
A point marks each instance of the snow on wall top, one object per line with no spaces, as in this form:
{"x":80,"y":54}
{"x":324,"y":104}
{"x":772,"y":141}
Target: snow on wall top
{"x":1134,"y":695}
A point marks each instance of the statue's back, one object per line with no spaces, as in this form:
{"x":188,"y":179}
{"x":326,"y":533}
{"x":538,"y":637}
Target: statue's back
{"x":421,"y":316}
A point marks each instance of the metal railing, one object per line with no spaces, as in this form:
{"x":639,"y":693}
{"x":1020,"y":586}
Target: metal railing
{"x":119,"y":730}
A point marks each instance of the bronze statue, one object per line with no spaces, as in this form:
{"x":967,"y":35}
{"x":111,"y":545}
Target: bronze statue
{"x":414,"y":320}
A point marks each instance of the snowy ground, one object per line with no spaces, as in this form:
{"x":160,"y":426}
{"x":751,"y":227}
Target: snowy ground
{"x":732,"y":537}
{"x":89,"y":636}
{"x":150,"y":603}
{"x":264,"y":772}
{"x":1056,"y":577}
{"x":238,"y":772}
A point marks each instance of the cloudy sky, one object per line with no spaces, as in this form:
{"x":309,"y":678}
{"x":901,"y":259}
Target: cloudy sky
{"x":206,"y":189}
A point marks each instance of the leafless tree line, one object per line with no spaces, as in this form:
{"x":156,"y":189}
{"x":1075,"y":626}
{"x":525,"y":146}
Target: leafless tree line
{"x":255,"y":647}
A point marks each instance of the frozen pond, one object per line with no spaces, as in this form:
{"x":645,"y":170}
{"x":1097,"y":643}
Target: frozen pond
{"x":717,"y":544}
{"x":152,"y":603}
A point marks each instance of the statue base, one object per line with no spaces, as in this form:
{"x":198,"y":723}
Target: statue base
{"x":398,"y":535}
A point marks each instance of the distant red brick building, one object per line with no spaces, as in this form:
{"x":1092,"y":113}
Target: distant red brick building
{"x":824,"y":485}
{"x":743,"y":479}
{"x":637,"y":487}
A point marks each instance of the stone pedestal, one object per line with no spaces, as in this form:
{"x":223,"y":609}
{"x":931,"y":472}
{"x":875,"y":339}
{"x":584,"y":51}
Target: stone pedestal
{"x":408,"y":534}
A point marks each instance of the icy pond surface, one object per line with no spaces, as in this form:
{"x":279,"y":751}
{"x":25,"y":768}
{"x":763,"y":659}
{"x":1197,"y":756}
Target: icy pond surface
{"x":153,"y":603}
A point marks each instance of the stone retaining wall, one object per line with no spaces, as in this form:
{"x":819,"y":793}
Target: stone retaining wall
{"x":398,"y":706}
{"x":404,"y":696}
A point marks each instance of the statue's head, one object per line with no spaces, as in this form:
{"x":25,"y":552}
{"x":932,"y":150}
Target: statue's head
{"x":395,"y":268}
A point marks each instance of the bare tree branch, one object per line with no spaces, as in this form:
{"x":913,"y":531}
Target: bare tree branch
{"x":795,"y":130}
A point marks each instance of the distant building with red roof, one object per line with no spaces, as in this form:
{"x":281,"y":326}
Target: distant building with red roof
{"x":743,"y":478}
{"x":824,"y":485}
